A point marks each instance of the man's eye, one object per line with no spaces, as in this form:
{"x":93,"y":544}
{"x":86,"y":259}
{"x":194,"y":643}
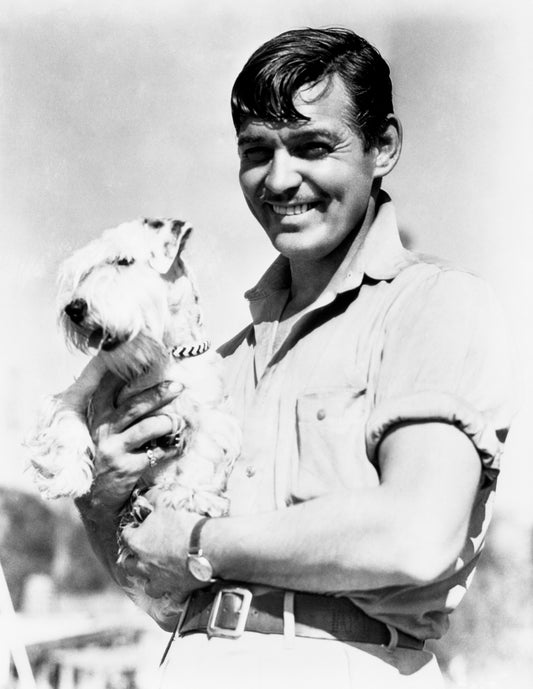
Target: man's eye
{"x":313,"y":149}
{"x":256,"y":154}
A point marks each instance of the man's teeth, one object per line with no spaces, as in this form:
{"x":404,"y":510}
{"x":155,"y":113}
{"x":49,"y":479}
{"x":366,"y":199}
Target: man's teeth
{"x":295,"y":209}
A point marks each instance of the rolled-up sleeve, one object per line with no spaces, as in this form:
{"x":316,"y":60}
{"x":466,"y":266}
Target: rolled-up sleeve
{"x":445,"y":356}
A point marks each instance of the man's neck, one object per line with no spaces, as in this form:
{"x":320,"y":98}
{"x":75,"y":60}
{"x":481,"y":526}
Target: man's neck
{"x":309,"y":278}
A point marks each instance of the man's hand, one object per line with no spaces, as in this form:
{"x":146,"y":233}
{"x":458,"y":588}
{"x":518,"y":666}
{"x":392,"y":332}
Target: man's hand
{"x":121,"y":427}
{"x":160,"y":546}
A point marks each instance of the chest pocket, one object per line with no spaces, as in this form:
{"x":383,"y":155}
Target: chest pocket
{"x":330,"y":428}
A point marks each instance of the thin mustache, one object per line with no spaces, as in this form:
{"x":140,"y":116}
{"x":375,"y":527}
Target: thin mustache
{"x":285,"y":202}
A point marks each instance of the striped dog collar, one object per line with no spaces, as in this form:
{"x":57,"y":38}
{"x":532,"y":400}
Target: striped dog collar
{"x":191,"y":350}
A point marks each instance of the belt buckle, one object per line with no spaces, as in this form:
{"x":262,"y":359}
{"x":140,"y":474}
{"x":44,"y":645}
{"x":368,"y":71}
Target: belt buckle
{"x":221,"y":606}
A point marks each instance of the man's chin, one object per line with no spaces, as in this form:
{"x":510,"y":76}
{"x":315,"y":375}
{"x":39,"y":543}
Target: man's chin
{"x":294,"y":246}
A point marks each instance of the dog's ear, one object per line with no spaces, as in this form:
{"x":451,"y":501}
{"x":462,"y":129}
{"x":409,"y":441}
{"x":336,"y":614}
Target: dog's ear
{"x":171,"y":238}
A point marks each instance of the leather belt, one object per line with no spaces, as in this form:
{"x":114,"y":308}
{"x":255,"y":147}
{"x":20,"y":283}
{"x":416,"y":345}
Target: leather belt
{"x":232,"y":610}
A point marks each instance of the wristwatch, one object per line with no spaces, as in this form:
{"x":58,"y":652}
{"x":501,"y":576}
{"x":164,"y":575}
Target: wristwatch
{"x":197,"y":563}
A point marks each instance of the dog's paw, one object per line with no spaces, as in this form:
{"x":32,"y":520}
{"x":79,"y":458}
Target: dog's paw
{"x":210,"y":504}
{"x":72,"y":480}
{"x":60,"y":451}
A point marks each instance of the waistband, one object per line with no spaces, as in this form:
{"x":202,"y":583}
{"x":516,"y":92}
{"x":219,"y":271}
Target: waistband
{"x":231,"y":610}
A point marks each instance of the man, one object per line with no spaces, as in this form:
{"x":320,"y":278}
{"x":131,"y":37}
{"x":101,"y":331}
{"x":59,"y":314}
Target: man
{"x":372,"y":389}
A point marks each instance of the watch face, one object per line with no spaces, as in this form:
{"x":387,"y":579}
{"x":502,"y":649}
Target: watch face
{"x":200,"y":567}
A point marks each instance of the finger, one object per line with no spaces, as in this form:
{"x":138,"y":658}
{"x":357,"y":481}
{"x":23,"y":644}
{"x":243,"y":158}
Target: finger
{"x":116,"y":471}
{"x":177,"y":422}
{"x":157,"y":455}
{"x":153,"y":590}
{"x":132,"y":567}
{"x":141,"y":508}
{"x":143,"y":404}
{"x":146,"y":430}
{"x":132,"y":541}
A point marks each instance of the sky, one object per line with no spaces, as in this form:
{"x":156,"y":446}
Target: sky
{"x":115,"y":110}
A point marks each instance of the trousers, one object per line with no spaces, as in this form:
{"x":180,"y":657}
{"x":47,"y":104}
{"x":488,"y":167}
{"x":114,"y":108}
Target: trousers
{"x":264,"y":661}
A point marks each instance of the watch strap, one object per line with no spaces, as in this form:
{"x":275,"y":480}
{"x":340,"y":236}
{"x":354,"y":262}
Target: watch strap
{"x":194,"y":541}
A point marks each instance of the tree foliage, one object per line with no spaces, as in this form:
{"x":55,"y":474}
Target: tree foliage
{"x":38,"y":538}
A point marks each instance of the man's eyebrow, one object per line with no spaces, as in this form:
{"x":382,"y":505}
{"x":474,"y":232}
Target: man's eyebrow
{"x":301,"y":133}
{"x":247,"y":139}
{"x":308,"y":134}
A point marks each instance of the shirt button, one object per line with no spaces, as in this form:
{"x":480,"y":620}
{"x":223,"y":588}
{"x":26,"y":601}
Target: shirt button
{"x":321,"y":414}
{"x":250,"y":471}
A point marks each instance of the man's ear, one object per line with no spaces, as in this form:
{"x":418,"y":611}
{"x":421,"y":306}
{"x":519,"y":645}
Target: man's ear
{"x":388,"y":147}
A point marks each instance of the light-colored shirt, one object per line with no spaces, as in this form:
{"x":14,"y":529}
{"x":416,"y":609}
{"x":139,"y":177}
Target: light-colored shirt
{"x":395,"y":336}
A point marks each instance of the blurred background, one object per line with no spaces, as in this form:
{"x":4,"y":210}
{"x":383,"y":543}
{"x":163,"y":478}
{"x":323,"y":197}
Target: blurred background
{"x":114,"y":110}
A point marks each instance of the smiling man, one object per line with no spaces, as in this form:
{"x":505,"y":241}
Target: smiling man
{"x":309,"y":182}
{"x":373,"y":394}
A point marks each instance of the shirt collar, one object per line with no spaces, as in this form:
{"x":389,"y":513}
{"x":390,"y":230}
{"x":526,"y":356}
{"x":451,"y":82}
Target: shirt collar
{"x":379,"y":254}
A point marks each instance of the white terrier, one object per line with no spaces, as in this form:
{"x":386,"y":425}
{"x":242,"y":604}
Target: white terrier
{"x":130,"y":299}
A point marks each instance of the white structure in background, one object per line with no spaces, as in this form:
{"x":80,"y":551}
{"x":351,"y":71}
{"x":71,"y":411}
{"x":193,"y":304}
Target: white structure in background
{"x":11,"y":643}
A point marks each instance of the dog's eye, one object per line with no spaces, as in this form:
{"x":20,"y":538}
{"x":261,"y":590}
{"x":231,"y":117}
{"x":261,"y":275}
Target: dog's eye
{"x":156,"y":224}
{"x":125,"y":261}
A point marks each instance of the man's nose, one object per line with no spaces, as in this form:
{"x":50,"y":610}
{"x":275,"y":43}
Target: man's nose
{"x":283,"y":173}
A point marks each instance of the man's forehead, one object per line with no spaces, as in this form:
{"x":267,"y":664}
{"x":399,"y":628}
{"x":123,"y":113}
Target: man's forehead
{"x":325,"y":107}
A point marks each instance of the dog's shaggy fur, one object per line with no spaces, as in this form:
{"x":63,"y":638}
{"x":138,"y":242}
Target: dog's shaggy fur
{"x":130,"y":299}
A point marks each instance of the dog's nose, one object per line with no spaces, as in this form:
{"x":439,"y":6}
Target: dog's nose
{"x":76,"y":310}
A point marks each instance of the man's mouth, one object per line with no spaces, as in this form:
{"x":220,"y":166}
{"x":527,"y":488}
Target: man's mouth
{"x":292,"y":208}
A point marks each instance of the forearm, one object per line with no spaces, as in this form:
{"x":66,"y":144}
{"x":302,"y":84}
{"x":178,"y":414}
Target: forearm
{"x":408,"y":530}
{"x":347,"y":541}
{"x":101,"y":529}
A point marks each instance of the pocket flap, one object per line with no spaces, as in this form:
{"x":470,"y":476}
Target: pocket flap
{"x":330,"y":403}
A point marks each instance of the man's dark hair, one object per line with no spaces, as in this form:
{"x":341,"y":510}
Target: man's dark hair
{"x":268,"y":82}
